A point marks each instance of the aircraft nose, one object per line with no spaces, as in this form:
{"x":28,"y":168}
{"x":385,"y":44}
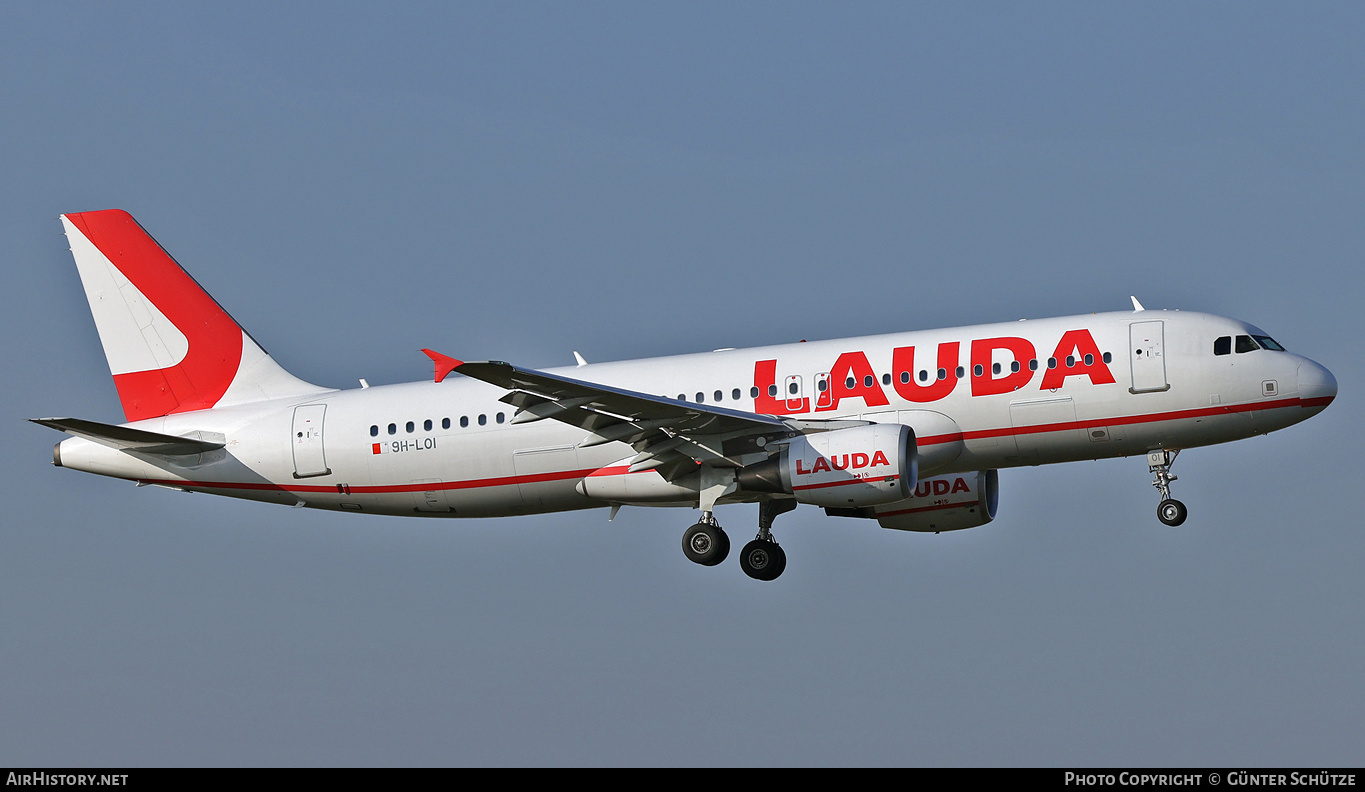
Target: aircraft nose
{"x":1317,"y":386}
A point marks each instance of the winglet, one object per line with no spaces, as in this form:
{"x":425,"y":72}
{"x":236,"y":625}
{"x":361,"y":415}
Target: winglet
{"x":1137,"y":306}
{"x":444,"y":365}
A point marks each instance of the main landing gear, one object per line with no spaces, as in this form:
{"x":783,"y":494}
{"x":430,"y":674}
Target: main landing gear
{"x":1169,"y":511}
{"x":706,"y":543}
{"x":762,"y":559}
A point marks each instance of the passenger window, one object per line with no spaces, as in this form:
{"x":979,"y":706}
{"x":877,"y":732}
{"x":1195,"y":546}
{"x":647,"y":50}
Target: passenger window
{"x":961,"y":372}
{"x":753,"y":391}
{"x":977,"y":370}
{"x":1089,"y":359}
{"x":701,"y":398}
{"x":720,"y":395}
{"x":1223,"y":346}
{"x":1070,"y":361}
{"x":426,"y":425}
{"x":1245,"y":344}
{"x":943,"y":374}
{"x":734,"y":394}
{"x":483,"y":420}
{"x":445,"y":423}
{"x":995,"y":368}
{"x":411,"y":426}
{"x":1014,"y":366}
{"x":848,"y":383}
{"x":772,"y":390}
{"x":1108,"y":358}
{"x":905,"y":376}
{"x":923,"y":376}
{"x":499,"y":417}
{"x":374,"y":431}
{"x":886,"y":379}
{"x":393,"y":428}
{"x":868,"y":381}
{"x":464,"y":421}
{"x":1033,"y":364}
{"x":1052,"y":363}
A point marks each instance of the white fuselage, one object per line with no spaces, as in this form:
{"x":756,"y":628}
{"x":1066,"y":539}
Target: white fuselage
{"x":1151,"y":381}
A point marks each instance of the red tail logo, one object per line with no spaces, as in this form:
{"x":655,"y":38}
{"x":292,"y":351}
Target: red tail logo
{"x":215,"y":341}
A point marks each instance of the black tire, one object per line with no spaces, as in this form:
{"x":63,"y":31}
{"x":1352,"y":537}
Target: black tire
{"x":705,"y":544}
{"x":762,"y":560}
{"x":1172,"y":512}
{"x":779,"y":561}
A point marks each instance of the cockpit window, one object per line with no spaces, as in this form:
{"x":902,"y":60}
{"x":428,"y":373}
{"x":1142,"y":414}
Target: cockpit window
{"x":1223,"y":346}
{"x":1268,"y":343}
{"x":1245,"y":344}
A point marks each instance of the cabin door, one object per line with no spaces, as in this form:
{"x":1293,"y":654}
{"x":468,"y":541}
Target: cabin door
{"x":309,"y":457}
{"x":1146,"y":351}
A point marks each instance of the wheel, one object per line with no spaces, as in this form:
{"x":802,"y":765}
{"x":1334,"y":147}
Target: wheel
{"x":762,"y":560}
{"x":705,"y":544}
{"x":1172,"y":512}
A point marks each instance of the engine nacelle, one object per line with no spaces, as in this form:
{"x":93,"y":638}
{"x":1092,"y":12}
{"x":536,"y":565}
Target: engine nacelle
{"x":847,"y":468}
{"x":944,"y":503}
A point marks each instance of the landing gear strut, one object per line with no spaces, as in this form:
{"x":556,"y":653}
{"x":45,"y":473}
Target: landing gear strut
{"x":763,"y":558}
{"x":1169,"y":511}
{"x":706,"y":543}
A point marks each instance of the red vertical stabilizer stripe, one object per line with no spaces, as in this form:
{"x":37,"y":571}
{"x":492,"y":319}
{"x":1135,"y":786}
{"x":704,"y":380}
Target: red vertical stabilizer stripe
{"x":215,"y":340}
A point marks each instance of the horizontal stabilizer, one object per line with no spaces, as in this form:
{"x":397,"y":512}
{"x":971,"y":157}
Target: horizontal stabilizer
{"x":128,"y":439}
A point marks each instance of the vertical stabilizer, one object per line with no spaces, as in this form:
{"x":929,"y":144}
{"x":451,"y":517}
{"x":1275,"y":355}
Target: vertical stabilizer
{"x":170,"y":346}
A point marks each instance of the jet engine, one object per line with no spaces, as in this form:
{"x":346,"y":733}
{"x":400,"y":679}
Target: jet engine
{"x":942,"y":503}
{"x":857,"y":467}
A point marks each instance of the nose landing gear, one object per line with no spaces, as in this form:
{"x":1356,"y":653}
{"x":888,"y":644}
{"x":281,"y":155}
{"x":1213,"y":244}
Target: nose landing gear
{"x":1170,"y":511}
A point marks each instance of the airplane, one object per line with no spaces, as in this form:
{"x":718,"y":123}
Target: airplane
{"x":906,"y":431}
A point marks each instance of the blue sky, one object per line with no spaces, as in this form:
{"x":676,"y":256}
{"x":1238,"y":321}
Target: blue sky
{"x":519,"y":180}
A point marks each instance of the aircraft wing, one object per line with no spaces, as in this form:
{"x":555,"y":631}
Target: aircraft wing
{"x":669,"y":436}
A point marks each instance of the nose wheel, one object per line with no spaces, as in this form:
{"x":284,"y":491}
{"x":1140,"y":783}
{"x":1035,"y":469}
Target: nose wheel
{"x":1170,"y":511}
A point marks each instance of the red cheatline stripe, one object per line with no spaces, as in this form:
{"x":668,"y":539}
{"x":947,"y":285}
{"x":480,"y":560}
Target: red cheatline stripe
{"x":842,"y":483}
{"x":1124,"y":420}
{"x":502,"y":481}
{"x":505,"y":481}
{"x":619,"y":470}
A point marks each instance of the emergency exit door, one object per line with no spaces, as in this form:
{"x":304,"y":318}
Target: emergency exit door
{"x":309,"y":457}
